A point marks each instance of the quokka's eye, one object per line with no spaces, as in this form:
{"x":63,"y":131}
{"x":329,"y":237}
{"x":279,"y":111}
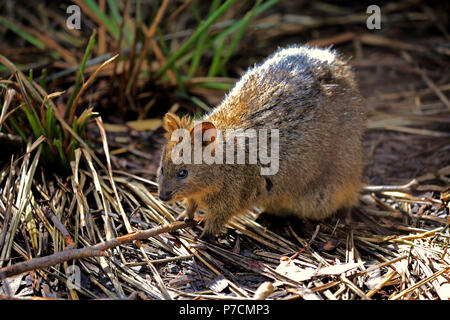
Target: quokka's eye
{"x":182,"y":174}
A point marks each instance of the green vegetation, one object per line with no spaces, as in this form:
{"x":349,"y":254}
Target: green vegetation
{"x":33,"y":113}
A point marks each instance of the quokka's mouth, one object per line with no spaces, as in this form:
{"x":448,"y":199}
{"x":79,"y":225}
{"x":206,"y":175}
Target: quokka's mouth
{"x":165,"y":196}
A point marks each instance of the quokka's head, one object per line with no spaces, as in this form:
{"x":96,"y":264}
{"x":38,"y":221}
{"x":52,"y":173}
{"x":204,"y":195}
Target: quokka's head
{"x":178,"y":176}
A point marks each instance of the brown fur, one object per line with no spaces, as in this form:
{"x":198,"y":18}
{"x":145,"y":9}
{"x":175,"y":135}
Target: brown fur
{"x":309,"y":94}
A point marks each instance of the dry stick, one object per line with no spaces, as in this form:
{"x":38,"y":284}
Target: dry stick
{"x":119,"y":41}
{"x":405,"y":187}
{"x":92,"y":251}
{"x":58,"y":224}
{"x":6,"y":297}
{"x":86,"y":84}
{"x":407,"y":94}
{"x":420,"y":283}
{"x":158,"y":279}
{"x":101,"y":32}
{"x":110,"y":176}
{"x":353,"y":287}
{"x":163,"y":60}
{"x":8,"y":98}
{"x":307,"y":245}
{"x":148,"y":35}
{"x":233,"y":287}
{"x":178,"y":10}
{"x":360,"y":273}
{"x":377,"y":40}
{"x":134,"y":264}
{"x":48,"y":41}
{"x":9,"y":205}
{"x":386,"y":279}
{"x":434,"y":87}
{"x":325,"y":42}
{"x":400,"y":215}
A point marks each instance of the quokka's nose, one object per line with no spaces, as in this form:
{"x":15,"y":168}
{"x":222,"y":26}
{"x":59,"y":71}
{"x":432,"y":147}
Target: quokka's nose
{"x":165,"y":196}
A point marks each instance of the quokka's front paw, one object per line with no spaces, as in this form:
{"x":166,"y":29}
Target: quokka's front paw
{"x":185,"y":216}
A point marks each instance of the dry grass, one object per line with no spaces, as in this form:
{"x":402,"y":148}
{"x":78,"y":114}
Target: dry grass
{"x":388,"y":251}
{"x":395,"y":246}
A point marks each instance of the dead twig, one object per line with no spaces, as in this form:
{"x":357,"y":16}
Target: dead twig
{"x":91,"y":251}
{"x":70,"y":244}
{"x":405,"y":187}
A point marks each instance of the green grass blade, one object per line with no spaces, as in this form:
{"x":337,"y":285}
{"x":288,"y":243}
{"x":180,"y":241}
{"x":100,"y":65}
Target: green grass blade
{"x":138,"y":12}
{"x":33,"y":121}
{"x":43,"y":79}
{"x":50,"y":124}
{"x":216,"y":85}
{"x":112,"y":28}
{"x":194,"y":37}
{"x":216,"y":59}
{"x":80,"y":74}
{"x":201,"y":104}
{"x":198,"y":54}
{"x":237,"y":25}
{"x":194,"y":100}
{"x":237,"y":38}
{"x":201,"y":44}
{"x":30,"y":112}
{"x":23,"y":34}
{"x":58,"y":145}
{"x":115,"y":15}
{"x":30,"y":76}
{"x":166,"y":52}
{"x":82,"y":125}
{"x":195,"y":12}
{"x":17,"y":129}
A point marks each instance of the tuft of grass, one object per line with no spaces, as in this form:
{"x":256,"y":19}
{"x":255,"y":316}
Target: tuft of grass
{"x":138,"y":35}
{"x":203,"y":27}
{"x":35,"y":115}
{"x":70,"y":108}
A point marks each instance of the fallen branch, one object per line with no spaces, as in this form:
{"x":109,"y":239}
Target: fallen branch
{"x":92,"y":251}
{"x":406,"y":187}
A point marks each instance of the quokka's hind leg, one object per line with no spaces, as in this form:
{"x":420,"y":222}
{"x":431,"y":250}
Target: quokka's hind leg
{"x":322,"y":201}
{"x":214,"y":222}
{"x":345,"y":215}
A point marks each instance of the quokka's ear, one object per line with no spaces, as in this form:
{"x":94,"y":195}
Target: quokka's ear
{"x":171,"y":122}
{"x":205,"y":132}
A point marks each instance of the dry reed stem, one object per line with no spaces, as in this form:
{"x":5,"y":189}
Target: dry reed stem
{"x":86,"y":84}
{"x":90,"y":251}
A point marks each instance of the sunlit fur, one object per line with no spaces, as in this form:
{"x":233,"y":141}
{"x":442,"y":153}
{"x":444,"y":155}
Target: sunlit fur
{"x":309,"y":94}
